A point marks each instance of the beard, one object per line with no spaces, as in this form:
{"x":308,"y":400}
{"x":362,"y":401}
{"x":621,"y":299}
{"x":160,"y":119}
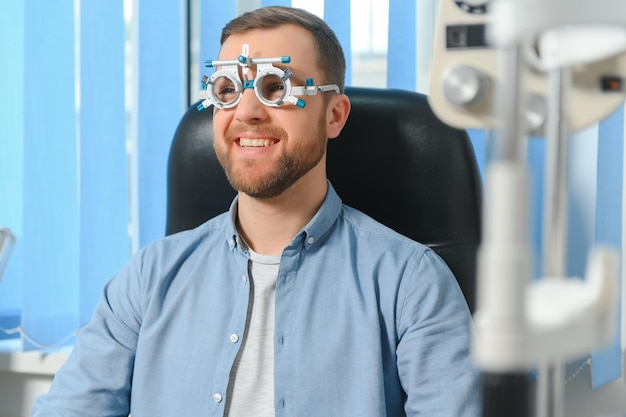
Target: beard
{"x":269,"y":178}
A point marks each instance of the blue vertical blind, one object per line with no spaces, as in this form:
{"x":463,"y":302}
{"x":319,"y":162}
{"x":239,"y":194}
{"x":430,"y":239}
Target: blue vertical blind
{"x":50,"y":173}
{"x":213,"y":15}
{"x":607,"y":364}
{"x":337,"y":14}
{"x":11,"y":152}
{"x":66,"y":190}
{"x":160,"y":78}
{"x":103,"y":177}
{"x":402,"y":50}
{"x":63,"y":167}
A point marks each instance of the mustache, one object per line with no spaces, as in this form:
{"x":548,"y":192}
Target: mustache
{"x":234,"y":132}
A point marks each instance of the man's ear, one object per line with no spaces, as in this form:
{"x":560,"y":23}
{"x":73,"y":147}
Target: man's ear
{"x":336,"y":115}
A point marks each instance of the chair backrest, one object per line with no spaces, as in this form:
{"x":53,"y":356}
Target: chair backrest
{"x":394,"y":160}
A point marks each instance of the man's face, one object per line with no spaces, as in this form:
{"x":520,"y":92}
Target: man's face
{"x":264,"y":150}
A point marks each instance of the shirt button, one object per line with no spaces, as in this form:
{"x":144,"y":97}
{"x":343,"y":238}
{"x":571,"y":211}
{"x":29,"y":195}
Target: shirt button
{"x":311,"y":240}
{"x":234,"y":338}
{"x":217,"y":397}
{"x":244,"y":279}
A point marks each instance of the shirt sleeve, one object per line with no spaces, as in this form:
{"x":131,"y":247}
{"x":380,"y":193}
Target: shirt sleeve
{"x":433,"y":352}
{"x":96,"y":379}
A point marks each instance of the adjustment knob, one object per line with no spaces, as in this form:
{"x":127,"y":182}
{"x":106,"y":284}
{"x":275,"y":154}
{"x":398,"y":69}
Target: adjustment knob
{"x":465,"y":86}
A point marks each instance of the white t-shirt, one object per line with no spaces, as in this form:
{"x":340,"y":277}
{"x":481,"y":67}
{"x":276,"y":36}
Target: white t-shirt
{"x":251,"y":385}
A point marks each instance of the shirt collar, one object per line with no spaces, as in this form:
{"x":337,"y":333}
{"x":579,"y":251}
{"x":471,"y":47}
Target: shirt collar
{"x":322,"y":221}
{"x":310,"y":234}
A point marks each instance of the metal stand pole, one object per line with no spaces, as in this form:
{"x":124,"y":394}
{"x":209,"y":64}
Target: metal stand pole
{"x":508,"y":393}
{"x":551,"y":396}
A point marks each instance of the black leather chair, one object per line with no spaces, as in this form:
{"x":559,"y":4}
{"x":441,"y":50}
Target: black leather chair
{"x":395,"y":160}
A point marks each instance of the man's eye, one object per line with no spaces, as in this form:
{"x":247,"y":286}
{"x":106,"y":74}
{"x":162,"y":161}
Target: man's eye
{"x":273,"y":91}
{"x":277,"y":87}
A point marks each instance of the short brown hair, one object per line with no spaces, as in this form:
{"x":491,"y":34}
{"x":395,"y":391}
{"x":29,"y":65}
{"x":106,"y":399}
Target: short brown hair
{"x":330,"y":57}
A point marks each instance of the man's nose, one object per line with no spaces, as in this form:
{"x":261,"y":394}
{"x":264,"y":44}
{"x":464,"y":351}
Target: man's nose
{"x":249,"y":107}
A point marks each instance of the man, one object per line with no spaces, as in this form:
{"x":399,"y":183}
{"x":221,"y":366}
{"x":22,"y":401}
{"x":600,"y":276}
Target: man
{"x":291,"y":304}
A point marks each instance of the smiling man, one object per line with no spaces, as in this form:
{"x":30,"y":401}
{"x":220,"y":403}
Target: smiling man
{"x":291,"y":304}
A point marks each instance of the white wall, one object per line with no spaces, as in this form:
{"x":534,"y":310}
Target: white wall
{"x":18,"y":391}
{"x":582,"y":401}
{"x":23,"y":377}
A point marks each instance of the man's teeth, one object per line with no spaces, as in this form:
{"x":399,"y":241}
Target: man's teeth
{"x":255,"y":142}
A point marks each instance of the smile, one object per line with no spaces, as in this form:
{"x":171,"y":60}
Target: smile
{"x":255,"y":143}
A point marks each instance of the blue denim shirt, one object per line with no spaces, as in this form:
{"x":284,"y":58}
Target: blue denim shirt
{"x":368,"y":323}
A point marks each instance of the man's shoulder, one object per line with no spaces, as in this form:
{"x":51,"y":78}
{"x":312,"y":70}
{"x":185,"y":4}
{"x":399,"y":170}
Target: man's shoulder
{"x":207,"y":233}
{"x":375,"y":231}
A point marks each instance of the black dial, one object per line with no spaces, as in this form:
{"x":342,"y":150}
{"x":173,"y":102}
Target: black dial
{"x":473,"y":6}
